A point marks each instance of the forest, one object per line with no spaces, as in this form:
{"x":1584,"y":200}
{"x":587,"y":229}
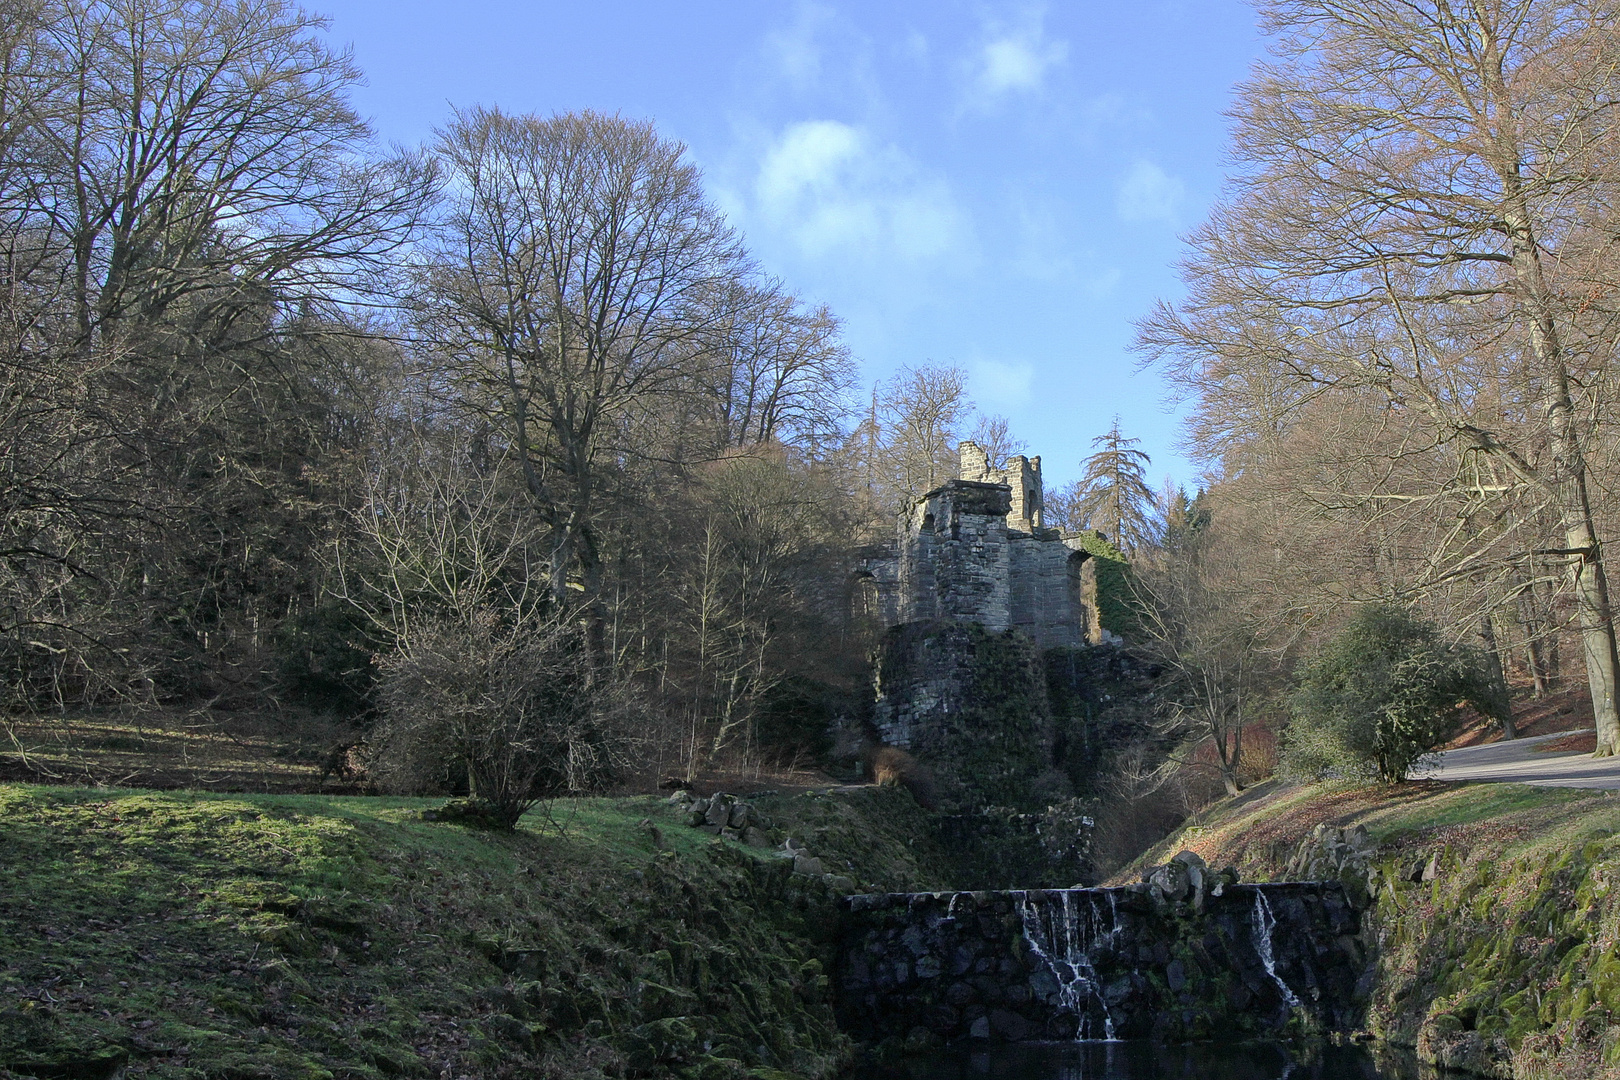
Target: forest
{"x":506,"y":444}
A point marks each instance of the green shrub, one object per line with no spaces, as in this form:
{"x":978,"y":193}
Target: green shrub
{"x":1381,"y":694}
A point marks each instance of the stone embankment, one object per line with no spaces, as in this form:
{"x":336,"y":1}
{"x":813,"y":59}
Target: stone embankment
{"x":734,"y":818}
{"x":1184,"y":954}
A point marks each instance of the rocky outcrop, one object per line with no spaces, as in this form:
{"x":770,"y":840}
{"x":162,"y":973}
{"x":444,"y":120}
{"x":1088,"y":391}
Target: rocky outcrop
{"x":734,"y":818}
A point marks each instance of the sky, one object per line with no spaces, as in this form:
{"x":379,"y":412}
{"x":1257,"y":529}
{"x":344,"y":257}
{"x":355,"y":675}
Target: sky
{"x":998,"y":186}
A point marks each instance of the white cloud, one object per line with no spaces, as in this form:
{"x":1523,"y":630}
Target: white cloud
{"x":1016,"y":59}
{"x":831,"y":188}
{"x":1148,"y":193}
{"x":794,"y":52}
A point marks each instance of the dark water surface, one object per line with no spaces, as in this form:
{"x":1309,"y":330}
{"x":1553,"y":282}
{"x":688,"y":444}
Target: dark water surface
{"x":1148,"y":1061}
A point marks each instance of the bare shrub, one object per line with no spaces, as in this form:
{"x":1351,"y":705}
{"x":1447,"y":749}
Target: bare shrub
{"x":508,"y":707}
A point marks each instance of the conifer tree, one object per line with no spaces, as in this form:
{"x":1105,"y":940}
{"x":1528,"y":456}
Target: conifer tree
{"x":1113,"y":494}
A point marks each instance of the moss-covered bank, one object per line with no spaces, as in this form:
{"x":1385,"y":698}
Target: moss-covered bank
{"x":1497,"y":919}
{"x":248,"y":936}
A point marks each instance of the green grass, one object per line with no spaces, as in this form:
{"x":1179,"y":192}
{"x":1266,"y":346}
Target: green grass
{"x":241,"y":936}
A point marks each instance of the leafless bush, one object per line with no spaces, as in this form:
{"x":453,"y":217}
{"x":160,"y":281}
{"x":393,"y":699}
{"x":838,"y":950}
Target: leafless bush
{"x":509,"y":706}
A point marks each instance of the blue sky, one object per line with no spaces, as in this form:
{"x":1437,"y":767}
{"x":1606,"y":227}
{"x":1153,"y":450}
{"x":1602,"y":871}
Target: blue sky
{"x":998,"y":186}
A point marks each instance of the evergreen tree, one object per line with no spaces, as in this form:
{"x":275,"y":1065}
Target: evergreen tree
{"x":1113,"y":493}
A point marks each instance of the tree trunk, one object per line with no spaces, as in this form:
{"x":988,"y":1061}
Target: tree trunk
{"x":1498,"y":677}
{"x":1535,"y":646}
{"x":1568,"y":477}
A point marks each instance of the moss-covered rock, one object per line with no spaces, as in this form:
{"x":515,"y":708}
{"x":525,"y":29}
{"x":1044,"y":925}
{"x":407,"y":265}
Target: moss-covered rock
{"x":971,"y":704}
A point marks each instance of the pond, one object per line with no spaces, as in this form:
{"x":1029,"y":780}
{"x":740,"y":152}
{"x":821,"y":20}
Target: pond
{"x":1142,"y":1060}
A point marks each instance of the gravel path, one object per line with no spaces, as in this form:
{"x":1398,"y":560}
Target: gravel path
{"x":1517,"y":762}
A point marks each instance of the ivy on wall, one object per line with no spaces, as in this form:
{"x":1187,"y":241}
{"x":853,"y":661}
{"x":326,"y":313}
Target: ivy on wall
{"x":1115,"y":597}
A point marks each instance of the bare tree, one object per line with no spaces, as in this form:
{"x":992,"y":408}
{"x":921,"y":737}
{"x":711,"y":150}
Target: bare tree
{"x":919,"y":413}
{"x":186,"y":156}
{"x":1190,"y":617}
{"x":482,"y":680}
{"x":186,"y":198}
{"x":994,"y":436}
{"x":1422,"y":213}
{"x":573,"y":278}
{"x":780,"y":371}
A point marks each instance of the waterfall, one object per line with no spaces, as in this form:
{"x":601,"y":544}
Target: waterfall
{"x":1064,"y":940}
{"x":1264,"y":921}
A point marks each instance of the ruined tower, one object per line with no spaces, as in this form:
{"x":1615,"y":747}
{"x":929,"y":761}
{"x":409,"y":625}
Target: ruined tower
{"x":975,"y":549}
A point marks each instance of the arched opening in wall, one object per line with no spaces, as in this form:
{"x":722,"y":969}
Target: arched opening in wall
{"x":865,"y":607}
{"x":1082,"y":596}
{"x":928,"y":523}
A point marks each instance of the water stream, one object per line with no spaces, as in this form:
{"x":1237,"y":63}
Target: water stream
{"x":1064,"y":941}
{"x":1264,"y":923}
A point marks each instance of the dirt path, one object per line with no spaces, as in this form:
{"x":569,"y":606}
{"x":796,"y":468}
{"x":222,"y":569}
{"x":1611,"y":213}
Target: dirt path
{"x":1518,"y":762}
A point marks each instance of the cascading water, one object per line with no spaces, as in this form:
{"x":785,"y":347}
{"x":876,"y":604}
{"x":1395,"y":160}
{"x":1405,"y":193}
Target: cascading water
{"x":1063,"y":939}
{"x":1264,"y":922}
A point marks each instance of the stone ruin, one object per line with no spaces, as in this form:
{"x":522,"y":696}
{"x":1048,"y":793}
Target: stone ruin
{"x":975,"y":549}
{"x":973,"y":594}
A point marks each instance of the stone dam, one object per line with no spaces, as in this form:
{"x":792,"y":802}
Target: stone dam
{"x":1239,"y":961}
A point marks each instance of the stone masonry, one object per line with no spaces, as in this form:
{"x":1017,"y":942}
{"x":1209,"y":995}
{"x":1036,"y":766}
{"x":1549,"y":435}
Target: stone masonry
{"x":974,"y":549}
{"x":1238,"y":961}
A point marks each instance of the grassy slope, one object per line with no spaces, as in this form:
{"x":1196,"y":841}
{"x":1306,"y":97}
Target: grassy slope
{"x":285,"y":936}
{"x":1508,"y":962}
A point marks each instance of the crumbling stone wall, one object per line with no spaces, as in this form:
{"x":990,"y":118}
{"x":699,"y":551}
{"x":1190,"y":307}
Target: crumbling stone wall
{"x":1022,"y":475}
{"x":955,"y":558}
{"x":974,"y":549}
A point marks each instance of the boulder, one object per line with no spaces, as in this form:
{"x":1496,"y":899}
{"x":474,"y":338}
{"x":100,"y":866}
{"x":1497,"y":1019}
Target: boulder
{"x":1191,"y":860}
{"x":1171,"y":881}
{"x":807,"y":864}
{"x":719,"y":812}
{"x":1197,"y":871}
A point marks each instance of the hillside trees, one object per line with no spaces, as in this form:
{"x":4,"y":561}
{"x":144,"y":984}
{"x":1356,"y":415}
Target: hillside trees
{"x":586,"y":317}
{"x":1421,"y":219}
{"x":572,"y":285}
{"x":185,"y":198}
{"x":1192,"y":615}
